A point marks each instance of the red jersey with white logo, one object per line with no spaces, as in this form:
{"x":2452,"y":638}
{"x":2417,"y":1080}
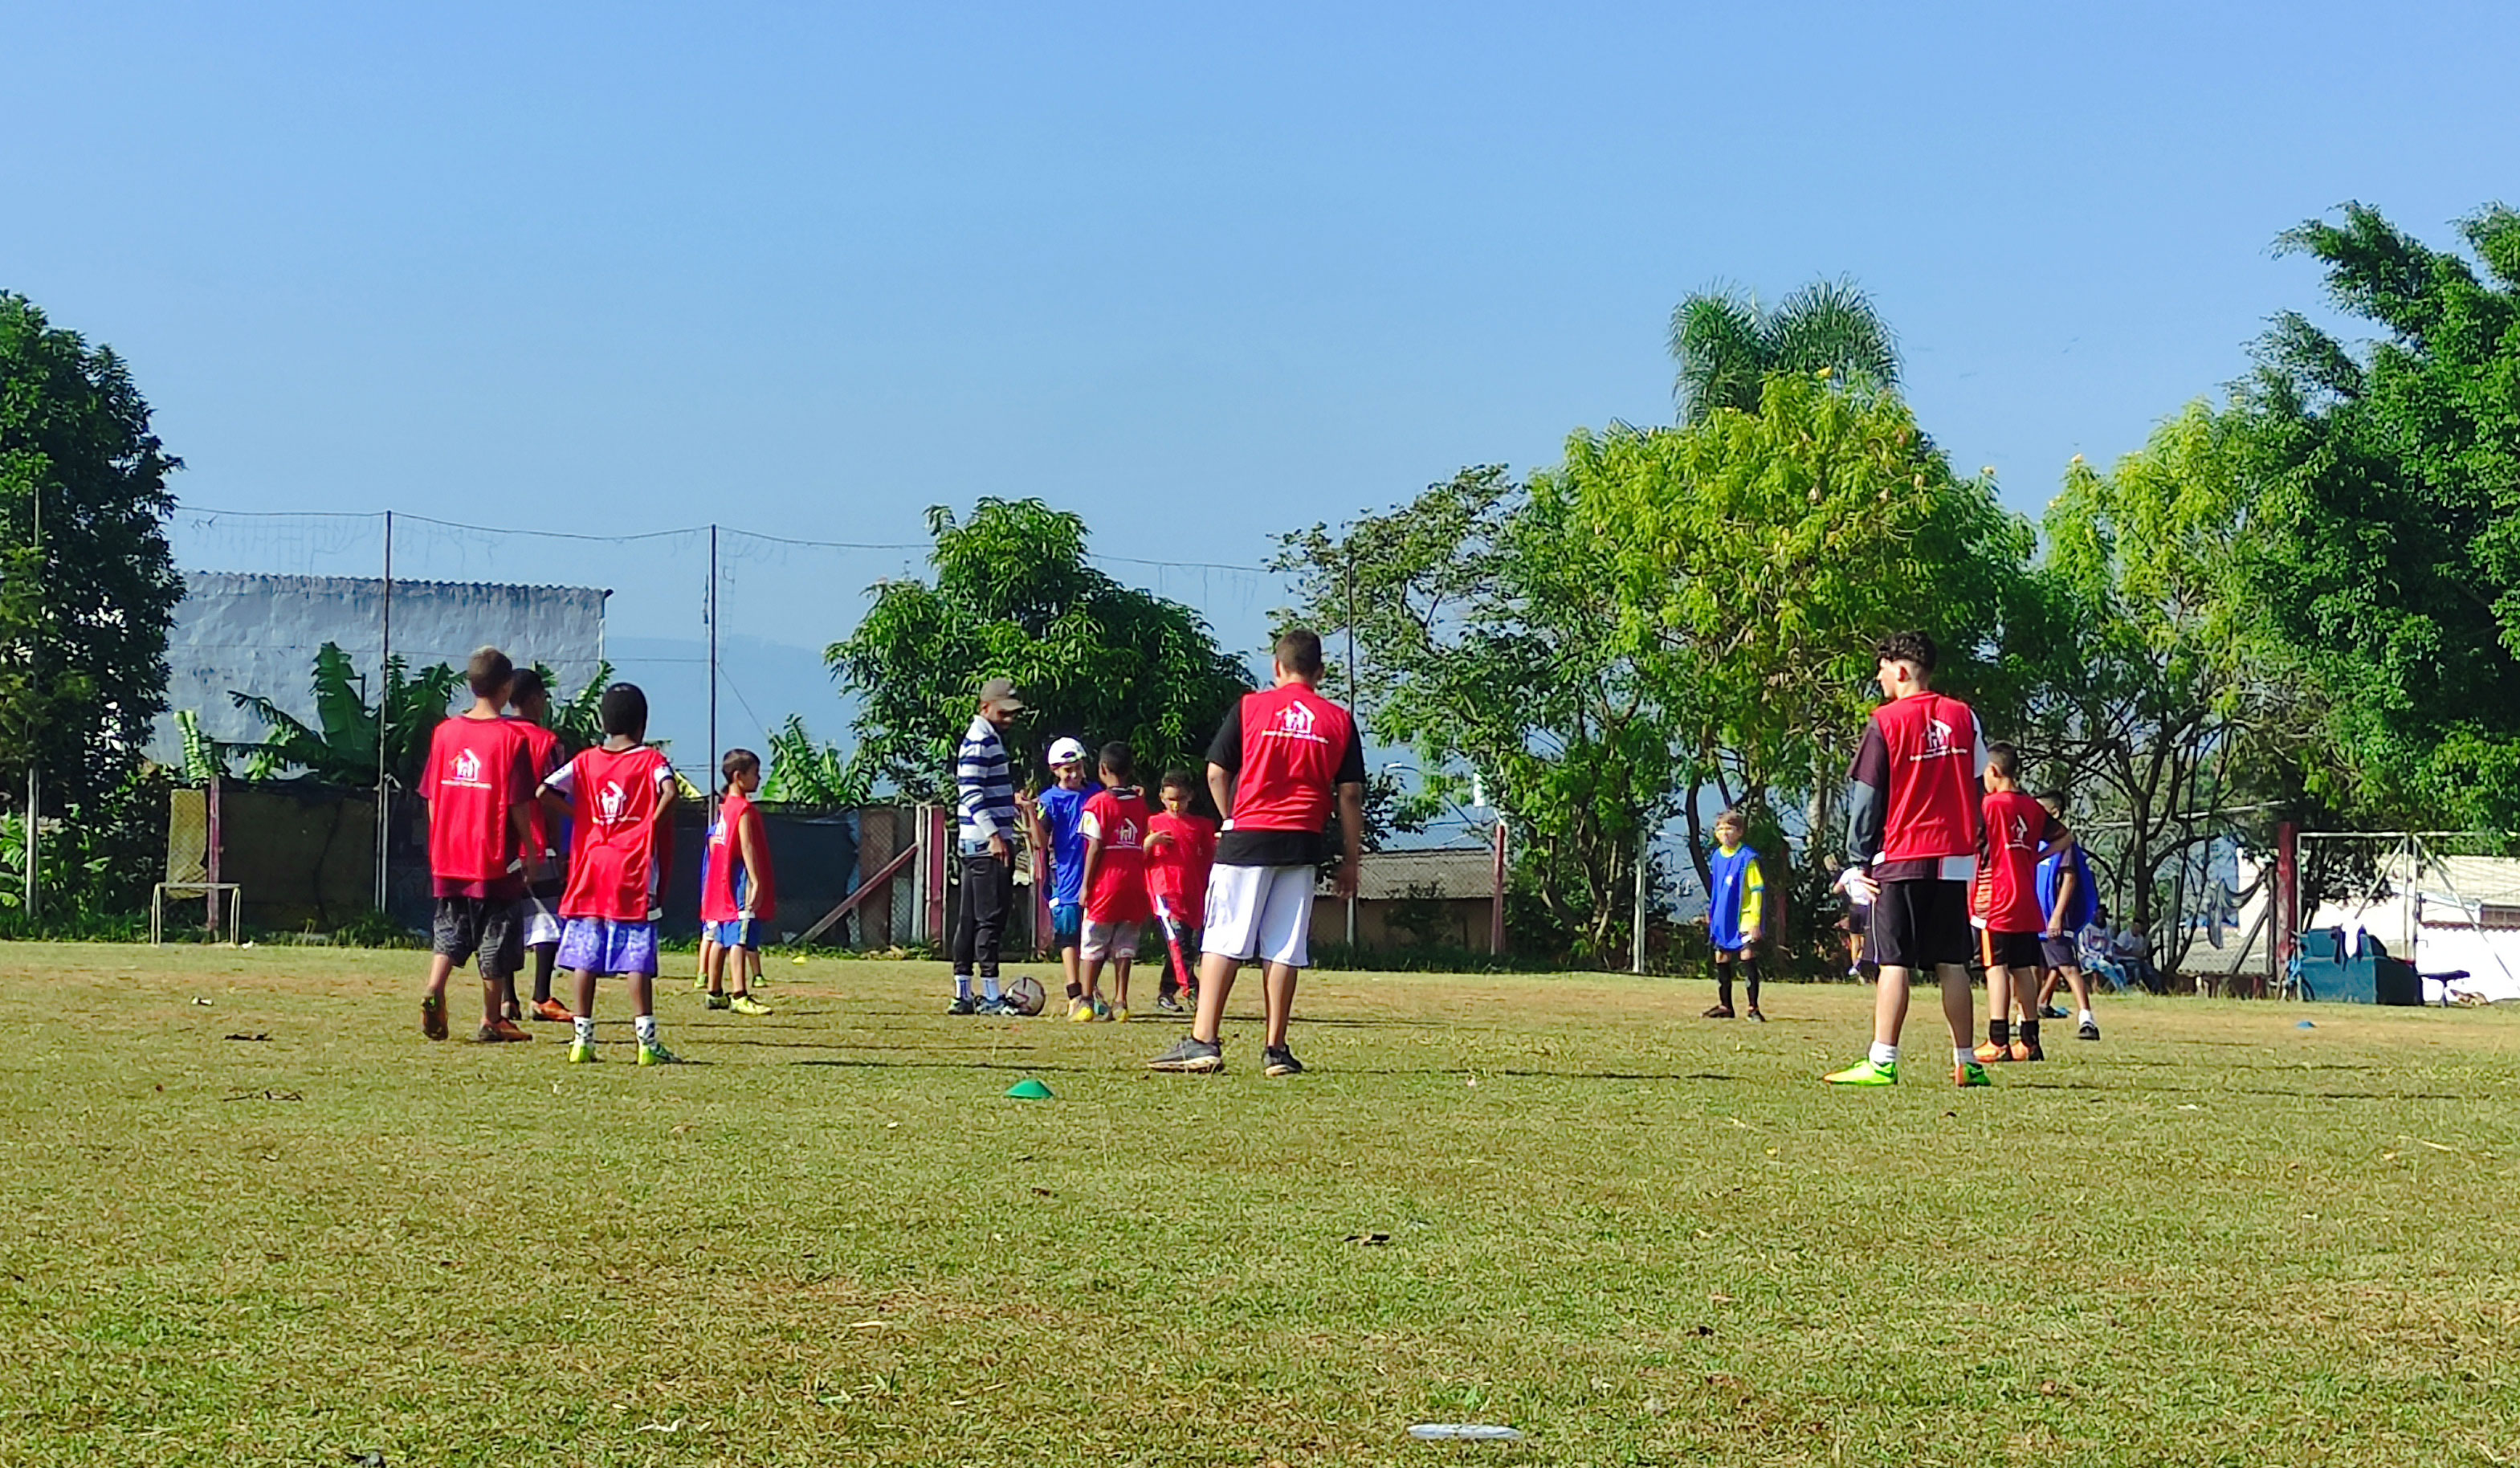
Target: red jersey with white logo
{"x":476,"y":771}
{"x":543,"y":760}
{"x":615,"y":797}
{"x":732,"y":888}
{"x":1177,"y":869}
{"x":1118,"y":891}
{"x":1293,"y":743}
{"x":1930,"y":808}
{"x":2016,"y":828}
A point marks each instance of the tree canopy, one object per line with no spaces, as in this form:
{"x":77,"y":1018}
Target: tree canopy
{"x":1014,"y":596}
{"x":1727,"y":345}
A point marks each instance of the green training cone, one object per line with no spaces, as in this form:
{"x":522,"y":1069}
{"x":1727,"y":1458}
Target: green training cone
{"x":1028,"y":1089}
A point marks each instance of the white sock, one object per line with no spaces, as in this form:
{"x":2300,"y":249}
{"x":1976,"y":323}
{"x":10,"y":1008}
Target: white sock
{"x":1960,"y":1056}
{"x":585,"y":1027}
{"x":646,"y":1026}
{"x":989,"y":988}
{"x":1886,"y":1054}
{"x":2085,"y":1018}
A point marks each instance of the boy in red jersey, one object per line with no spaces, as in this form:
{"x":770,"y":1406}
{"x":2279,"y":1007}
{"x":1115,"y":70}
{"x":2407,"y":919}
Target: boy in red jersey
{"x":620,"y":797}
{"x":477,"y":785}
{"x":546,"y":854}
{"x":1114,"y":827}
{"x":2019,"y":834}
{"x":1276,"y":766}
{"x":1911,"y":829}
{"x":1181,"y":845}
{"x":738,"y":898}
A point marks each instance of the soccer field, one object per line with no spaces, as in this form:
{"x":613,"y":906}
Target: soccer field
{"x":1560,"y":1203}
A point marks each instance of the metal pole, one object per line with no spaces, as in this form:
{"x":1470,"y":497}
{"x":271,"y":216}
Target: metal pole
{"x":1351,"y":718}
{"x":384,"y":722}
{"x":35,"y":743}
{"x":712,"y":661}
{"x":1644,"y":865}
{"x":1496,"y":911}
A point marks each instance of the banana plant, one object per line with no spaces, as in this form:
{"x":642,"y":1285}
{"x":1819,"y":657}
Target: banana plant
{"x":340,"y":747}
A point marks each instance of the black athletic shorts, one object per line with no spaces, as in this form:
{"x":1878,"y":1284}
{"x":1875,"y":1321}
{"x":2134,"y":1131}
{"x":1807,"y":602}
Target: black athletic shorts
{"x":1918,"y":924}
{"x":490,"y":926}
{"x":2059,"y":953}
{"x":2019,"y":952}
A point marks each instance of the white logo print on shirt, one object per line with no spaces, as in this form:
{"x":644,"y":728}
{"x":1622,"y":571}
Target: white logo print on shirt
{"x":610,"y":801}
{"x":467,"y":767}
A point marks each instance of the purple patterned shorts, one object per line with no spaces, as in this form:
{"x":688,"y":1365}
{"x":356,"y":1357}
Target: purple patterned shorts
{"x":599,"y":945}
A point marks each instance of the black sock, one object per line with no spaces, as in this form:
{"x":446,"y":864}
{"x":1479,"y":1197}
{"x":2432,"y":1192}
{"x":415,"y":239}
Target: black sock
{"x":543,"y":956}
{"x":1075,"y":990}
{"x":2000,"y":1031}
{"x":1750,"y":977}
{"x":1724,"y":983}
{"x":2030,"y":1033}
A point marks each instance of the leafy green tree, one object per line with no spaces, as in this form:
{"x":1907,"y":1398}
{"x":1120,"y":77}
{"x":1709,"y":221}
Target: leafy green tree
{"x":340,"y":747}
{"x":804,"y":771}
{"x":1727,"y":345}
{"x":2157,"y":703}
{"x":83,"y":617}
{"x":2389,"y":490}
{"x":1489,"y":643}
{"x":1014,"y":596}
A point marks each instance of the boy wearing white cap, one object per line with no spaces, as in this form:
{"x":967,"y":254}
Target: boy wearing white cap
{"x":1058,"y":820}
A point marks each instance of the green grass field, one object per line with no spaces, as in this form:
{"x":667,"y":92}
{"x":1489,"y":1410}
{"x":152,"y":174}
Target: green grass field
{"x":1638,"y":1236}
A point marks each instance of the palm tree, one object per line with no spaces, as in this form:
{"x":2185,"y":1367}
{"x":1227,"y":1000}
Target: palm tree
{"x":1726,"y":345}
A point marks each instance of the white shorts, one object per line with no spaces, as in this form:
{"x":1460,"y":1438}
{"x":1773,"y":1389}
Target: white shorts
{"x":1109,"y":940}
{"x":542,"y":923}
{"x":1263,"y":912}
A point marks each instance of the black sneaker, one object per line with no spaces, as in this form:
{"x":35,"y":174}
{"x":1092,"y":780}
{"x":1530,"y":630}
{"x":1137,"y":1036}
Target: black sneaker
{"x":1197,"y":1057}
{"x":1169,"y":1004}
{"x":1278,"y":1060}
{"x":1756,"y":1017}
{"x":2090,"y":1030}
{"x":2052,"y":1012}
{"x":964,"y":1005}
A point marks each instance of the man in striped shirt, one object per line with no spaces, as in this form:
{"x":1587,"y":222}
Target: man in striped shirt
{"x":984,"y":789}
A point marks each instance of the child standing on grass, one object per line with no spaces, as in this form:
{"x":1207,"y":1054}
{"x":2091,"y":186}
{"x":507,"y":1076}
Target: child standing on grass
{"x":1057,"y":818}
{"x":738,"y":898}
{"x":2018,"y":833}
{"x":1736,"y":908}
{"x":620,"y":796}
{"x":546,"y":841}
{"x":478,"y":784}
{"x":1115,"y":882}
{"x":1181,"y":845}
{"x":2067,"y":896}
{"x":1911,"y":819}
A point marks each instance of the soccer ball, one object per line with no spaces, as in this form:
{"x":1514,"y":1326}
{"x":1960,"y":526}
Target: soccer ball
{"x":1026,"y":995}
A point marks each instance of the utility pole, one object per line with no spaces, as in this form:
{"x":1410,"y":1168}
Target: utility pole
{"x":711,"y":608}
{"x":1644,"y":870}
{"x":35,"y":697}
{"x":1351,"y":718}
{"x":384,"y":723}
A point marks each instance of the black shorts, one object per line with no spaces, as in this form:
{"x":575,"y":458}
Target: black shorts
{"x":490,"y":926}
{"x":1918,"y":924}
{"x":2019,"y":952}
{"x":2059,"y":953}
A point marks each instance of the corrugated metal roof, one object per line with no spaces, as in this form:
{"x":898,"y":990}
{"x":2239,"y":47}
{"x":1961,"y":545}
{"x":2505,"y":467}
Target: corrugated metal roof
{"x":1443,"y":874}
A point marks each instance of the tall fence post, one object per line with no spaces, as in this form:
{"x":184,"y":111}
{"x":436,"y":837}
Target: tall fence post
{"x":1495,"y":908}
{"x":2287,"y":902}
{"x":1644,"y":869}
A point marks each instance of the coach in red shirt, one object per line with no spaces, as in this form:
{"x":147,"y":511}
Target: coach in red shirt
{"x":1276,"y":765}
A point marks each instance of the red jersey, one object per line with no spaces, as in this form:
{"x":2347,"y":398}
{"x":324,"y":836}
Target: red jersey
{"x":615,"y":799}
{"x":2016,"y":828}
{"x":1177,"y":869}
{"x":1295,"y":744}
{"x":732,"y":888}
{"x":1930,"y":805}
{"x":476,"y":773}
{"x":1118,"y":891}
{"x":542,"y":757}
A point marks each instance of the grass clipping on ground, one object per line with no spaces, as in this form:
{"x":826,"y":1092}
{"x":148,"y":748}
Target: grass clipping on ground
{"x":1561,"y":1204}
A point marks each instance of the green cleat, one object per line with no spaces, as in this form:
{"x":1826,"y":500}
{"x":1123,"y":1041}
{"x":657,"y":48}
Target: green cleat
{"x":1866,"y":1073}
{"x":658,"y":1055}
{"x":719,"y":1002}
{"x":745,"y":1004}
{"x":1971,"y":1074}
{"x":580,"y":1052}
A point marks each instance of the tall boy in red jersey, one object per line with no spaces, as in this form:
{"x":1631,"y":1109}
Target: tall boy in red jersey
{"x":1911,"y":831}
{"x":1276,"y":765}
{"x":620,"y":797}
{"x":478,"y":783}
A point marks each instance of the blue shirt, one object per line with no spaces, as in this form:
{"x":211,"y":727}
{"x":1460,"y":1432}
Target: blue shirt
{"x":1062,"y":811}
{"x":2087,"y":898}
{"x":1736,"y":899}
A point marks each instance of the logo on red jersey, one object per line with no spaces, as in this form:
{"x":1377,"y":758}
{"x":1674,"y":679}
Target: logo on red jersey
{"x":1938,"y":739}
{"x":467,"y":767}
{"x":609,"y":801}
{"x":1294,"y":722}
{"x":2020,"y":834}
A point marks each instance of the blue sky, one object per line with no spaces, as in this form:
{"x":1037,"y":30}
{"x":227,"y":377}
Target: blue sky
{"x":1202,"y":274}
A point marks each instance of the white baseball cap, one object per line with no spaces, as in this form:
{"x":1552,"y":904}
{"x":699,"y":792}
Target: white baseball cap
{"x":1066,"y":752}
